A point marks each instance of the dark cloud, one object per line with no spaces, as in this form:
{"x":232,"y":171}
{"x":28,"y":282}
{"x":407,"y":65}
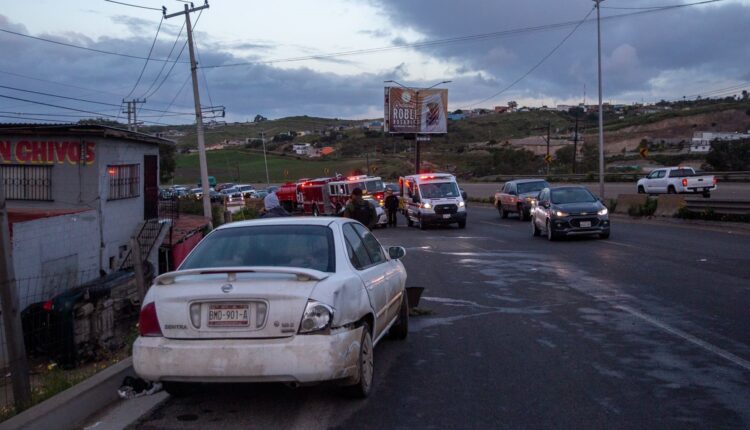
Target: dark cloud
{"x":709,"y":41}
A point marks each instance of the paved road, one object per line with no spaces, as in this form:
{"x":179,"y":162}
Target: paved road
{"x":649,"y":329}
{"x":726,"y":190}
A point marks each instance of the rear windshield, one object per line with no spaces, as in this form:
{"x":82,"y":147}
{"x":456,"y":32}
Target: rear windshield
{"x":572,"y":195}
{"x":306,"y":246}
{"x":681,"y":173}
{"x":529,"y":187}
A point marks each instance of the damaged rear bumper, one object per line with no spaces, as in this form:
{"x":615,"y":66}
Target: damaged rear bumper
{"x":300,"y":358}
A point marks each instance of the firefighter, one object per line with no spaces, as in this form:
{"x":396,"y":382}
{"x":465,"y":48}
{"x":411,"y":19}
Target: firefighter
{"x":391,"y":207}
{"x":273,"y":207}
{"x":361,"y":210}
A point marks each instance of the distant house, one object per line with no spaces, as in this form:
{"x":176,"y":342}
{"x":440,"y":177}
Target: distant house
{"x":701,"y":142}
{"x":301,"y":148}
{"x":456,"y":116}
{"x":326,"y":150}
{"x":501,"y":109}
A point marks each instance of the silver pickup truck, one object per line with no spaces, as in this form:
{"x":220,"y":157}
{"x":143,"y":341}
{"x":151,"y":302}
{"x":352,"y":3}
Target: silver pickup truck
{"x":677,"y":180}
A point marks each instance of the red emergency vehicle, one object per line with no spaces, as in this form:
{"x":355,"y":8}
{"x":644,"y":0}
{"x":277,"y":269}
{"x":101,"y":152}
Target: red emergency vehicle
{"x":289,"y":195}
{"x":328,"y":196}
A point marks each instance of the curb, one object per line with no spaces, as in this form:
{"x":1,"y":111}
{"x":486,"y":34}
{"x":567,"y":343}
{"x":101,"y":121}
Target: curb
{"x":70,"y":408}
{"x":715,"y":226}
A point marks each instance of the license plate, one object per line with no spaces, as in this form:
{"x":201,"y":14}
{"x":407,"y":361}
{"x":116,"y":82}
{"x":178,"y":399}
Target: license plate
{"x":228,"y":315}
{"x":446,"y":216}
{"x":585,"y":223}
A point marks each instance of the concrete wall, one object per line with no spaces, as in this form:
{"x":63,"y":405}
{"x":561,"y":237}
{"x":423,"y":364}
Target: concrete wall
{"x":53,"y":254}
{"x":120,"y":218}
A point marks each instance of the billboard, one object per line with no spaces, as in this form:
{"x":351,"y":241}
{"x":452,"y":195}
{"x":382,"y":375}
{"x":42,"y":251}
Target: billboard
{"x":416,"y":111}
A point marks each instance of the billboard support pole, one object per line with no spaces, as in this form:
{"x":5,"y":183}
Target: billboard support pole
{"x":417,"y":160}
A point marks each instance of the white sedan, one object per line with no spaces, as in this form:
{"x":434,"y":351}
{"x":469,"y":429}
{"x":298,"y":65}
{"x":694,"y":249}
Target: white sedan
{"x":294,"y":300}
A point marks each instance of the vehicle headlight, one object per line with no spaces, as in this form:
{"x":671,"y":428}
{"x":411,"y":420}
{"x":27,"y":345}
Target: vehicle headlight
{"x":427,"y":206}
{"x":317,"y":317}
{"x":461,"y":204}
{"x":603,"y":211}
{"x":560,"y":213}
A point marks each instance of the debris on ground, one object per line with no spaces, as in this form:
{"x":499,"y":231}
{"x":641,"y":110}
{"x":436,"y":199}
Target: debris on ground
{"x":136,"y":387}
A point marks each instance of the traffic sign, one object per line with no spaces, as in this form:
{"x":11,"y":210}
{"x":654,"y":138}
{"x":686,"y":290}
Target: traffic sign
{"x":644,"y":152}
{"x":548,"y":159}
{"x":423,"y":138}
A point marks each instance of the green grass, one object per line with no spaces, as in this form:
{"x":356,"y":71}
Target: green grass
{"x":237,"y":165}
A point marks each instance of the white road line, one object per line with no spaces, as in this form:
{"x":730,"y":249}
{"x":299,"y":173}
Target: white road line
{"x":688,"y":337}
{"x":494,"y":223}
{"x":610,"y":242}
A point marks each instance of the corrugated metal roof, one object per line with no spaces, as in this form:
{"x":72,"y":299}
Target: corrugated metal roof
{"x":80,"y":129}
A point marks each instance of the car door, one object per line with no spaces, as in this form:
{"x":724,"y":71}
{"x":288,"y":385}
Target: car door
{"x":659,"y":181}
{"x":373,"y":274}
{"x":391,"y":272}
{"x":542,"y":212}
{"x":504,"y":196}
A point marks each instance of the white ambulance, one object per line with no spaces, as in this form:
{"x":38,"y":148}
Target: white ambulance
{"x":432,"y":198}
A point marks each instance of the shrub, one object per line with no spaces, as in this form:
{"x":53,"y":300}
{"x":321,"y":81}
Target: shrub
{"x":646,"y":209}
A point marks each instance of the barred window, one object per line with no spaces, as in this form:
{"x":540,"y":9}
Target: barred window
{"x":22,"y":182}
{"x":124,"y":181}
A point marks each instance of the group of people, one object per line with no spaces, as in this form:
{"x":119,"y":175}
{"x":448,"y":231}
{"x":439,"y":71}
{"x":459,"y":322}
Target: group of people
{"x":357,"y":208}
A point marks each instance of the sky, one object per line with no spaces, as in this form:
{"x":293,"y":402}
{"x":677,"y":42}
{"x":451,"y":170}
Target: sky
{"x":255,"y":57}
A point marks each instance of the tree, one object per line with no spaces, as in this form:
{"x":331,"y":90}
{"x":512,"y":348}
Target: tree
{"x":512,"y":104}
{"x":744,"y":94}
{"x":564,"y":156}
{"x":729,"y":155}
{"x":260,"y":118}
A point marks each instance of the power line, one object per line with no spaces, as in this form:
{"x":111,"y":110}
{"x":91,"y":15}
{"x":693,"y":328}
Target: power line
{"x":133,"y":5}
{"x":58,"y":83}
{"x":164,"y":65}
{"x":460,"y":39}
{"x":187,"y":79}
{"x":203,"y":72}
{"x":32,"y":119}
{"x":148,"y":57}
{"x":531,"y":70}
{"x":85,"y":48}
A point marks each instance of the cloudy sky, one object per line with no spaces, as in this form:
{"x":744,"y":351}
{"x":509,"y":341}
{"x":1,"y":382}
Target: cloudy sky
{"x":255,"y":57}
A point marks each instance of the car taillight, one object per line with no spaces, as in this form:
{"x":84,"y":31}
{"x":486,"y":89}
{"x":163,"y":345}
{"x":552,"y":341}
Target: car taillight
{"x":379,"y":196}
{"x":684,"y":182}
{"x":715,"y":180}
{"x":148,"y":322}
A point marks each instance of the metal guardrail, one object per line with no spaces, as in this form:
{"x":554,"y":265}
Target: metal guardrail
{"x":725,"y":207}
{"x":613,"y":177}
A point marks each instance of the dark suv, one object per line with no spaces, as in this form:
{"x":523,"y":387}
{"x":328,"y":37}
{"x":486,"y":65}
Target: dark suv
{"x":517,"y":197}
{"x":569,"y":211}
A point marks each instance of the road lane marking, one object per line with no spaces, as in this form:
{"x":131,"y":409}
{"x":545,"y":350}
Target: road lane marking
{"x":610,"y":242}
{"x":686,"y":336}
{"x":494,"y":223}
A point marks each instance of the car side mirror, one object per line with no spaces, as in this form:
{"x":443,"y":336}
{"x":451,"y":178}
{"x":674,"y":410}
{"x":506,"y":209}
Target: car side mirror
{"x":396,"y":252}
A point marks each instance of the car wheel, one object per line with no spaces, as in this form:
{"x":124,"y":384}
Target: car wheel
{"x":534,"y":230}
{"x":671,"y":190}
{"x":641,"y":190}
{"x":400,"y":329}
{"x":365,"y":366}
{"x":604,"y":235}
{"x":462,"y":224}
{"x":503,"y":213}
{"x":521,"y":214}
{"x":551,"y":236}
{"x":422,"y":225}
{"x":178,"y":389}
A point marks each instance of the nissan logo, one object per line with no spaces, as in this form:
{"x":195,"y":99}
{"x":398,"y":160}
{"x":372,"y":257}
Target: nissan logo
{"x":227,"y":288}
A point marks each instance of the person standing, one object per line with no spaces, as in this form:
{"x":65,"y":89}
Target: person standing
{"x":273,"y":207}
{"x":391,"y":207}
{"x":361,"y":210}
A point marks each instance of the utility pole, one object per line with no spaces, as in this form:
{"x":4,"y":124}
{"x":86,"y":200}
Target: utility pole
{"x":198,"y":113}
{"x":549,"y":125}
{"x":601,"y":110}
{"x":265,"y":159}
{"x":132,"y":113}
{"x":19,"y":366}
{"x":575,"y":144}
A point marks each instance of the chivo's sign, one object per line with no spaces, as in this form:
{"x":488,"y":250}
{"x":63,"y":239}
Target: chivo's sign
{"x":416,"y":110}
{"x":47,"y":152}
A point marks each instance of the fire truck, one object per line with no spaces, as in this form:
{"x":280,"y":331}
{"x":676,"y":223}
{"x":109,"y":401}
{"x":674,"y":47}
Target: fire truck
{"x":290,"y":196}
{"x":328,"y":196}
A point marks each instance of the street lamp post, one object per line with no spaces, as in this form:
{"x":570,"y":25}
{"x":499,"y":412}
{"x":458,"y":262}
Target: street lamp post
{"x":417,"y":108}
{"x":601,"y":110}
{"x":265,"y":159}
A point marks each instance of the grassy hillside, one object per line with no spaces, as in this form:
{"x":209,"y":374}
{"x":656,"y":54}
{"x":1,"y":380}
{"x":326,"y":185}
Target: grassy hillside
{"x":247,"y":166}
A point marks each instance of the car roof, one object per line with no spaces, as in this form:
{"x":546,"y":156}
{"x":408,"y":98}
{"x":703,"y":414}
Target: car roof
{"x":569,"y":187}
{"x":291,"y":220}
{"x":523,"y":181}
